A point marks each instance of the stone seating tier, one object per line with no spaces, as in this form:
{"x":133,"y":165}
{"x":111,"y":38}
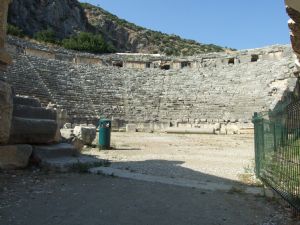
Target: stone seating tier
{"x":208,"y":93}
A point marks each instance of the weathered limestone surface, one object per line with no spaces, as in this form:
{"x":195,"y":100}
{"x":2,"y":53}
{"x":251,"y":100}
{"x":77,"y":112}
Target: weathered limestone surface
{"x":212,"y":91}
{"x":86,"y":134}
{"x":34,"y":112}
{"x":27,"y":101}
{"x":131,"y":127}
{"x":177,"y":130}
{"x":6,"y":109}
{"x":68,"y":136}
{"x":14,"y":156}
{"x":293,"y":10}
{"x":42,"y":152}
{"x":23,"y":120}
{"x":67,"y":133}
{"x":295,"y":4}
{"x":5,"y":59}
{"x":65,"y":16}
{"x":33,"y":131}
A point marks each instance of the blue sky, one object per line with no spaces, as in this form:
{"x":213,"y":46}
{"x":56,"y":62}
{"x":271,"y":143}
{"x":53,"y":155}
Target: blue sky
{"x":240,"y":24}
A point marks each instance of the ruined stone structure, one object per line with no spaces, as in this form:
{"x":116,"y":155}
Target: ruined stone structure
{"x":5,"y":89}
{"x":216,"y":91}
{"x":25,"y":126}
{"x":293,"y":10}
{"x":4,"y":57}
{"x":10,"y":156}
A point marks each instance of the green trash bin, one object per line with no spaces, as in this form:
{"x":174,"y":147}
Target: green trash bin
{"x":104,"y":133}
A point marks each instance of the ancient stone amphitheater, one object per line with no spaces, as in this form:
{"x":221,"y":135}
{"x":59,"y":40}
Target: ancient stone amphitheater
{"x":216,"y":91}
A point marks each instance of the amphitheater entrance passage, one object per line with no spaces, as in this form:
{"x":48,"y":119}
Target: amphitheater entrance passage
{"x":117,"y":64}
{"x":185,"y":64}
{"x":165,"y":67}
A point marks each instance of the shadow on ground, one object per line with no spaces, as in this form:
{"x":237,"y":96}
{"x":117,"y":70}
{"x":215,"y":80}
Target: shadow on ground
{"x":170,"y":169}
{"x":85,"y":199}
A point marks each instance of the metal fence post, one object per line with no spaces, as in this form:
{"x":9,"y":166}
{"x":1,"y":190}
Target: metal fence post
{"x":277,"y":151}
{"x":259,"y":141}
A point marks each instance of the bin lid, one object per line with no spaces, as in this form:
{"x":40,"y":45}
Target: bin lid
{"x":105,"y":120}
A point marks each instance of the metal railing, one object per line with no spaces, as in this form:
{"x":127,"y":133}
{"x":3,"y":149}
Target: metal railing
{"x":277,"y":151}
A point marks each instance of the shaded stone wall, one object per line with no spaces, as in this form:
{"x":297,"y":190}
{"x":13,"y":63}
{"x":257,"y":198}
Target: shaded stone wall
{"x":4,"y":57}
{"x":6,"y":103}
{"x":215,"y":89}
{"x":293,"y":10}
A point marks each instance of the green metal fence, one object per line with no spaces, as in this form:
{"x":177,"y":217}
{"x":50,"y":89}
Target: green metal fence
{"x":277,"y":151}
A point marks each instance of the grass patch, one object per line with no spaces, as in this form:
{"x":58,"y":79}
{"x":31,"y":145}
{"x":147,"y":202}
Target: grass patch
{"x":15,"y":31}
{"x":236,"y":190}
{"x":84,"y":167}
{"x":248,"y":176}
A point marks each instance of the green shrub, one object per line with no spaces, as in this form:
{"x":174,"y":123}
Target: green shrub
{"x":15,"y":31}
{"x":88,"y":42}
{"x":46,"y":36}
{"x":85,"y":5}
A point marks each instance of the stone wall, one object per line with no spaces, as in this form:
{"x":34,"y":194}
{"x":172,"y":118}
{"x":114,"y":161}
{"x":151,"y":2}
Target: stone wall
{"x":293,"y":10}
{"x":4,"y":57}
{"x":208,"y":90}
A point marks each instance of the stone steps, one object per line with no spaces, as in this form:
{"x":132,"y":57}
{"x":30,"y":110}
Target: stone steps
{"x":33,"y":131}
{"x":208,"y":92}
{"x":26,"y":111}
{"x":81,"y":163}
{"x":45,"y":152}
{"x":27,"y":101}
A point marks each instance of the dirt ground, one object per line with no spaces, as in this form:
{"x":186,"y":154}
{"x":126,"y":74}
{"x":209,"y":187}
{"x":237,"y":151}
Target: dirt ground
{"x":35,"y":197}
{"x":223,"y":158}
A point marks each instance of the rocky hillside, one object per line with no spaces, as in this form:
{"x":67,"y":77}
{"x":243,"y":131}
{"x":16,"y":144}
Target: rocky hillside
{"x":127,"y":36}
{"x":65,"y":17}
{"x":68,"y":17}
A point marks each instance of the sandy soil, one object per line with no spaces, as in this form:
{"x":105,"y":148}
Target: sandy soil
{"x":196,"y":157}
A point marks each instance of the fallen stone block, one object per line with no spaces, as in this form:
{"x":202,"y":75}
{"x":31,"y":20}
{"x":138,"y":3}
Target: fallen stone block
{"x":232,"y":129}
{"x":145,"y":127}
{"x":14,"y":156}
{"x":69,"y":137}
{"x":247,"y":131}
{"x":6,"y":109}
{"x":77,"y":144}
{"x":67,"y":126}
{"x":130,"y":127}
{"x":85,"y":133}
{"x":223,"y":130}
{"x":67,"y":133}
{"x":177,"y":130}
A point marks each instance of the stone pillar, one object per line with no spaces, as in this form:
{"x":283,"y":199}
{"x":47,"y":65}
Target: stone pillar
{"x":6,"y":96}
{"x":6,"y":108}
{"x":5,"y":59}
{"x":293,"y":10}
